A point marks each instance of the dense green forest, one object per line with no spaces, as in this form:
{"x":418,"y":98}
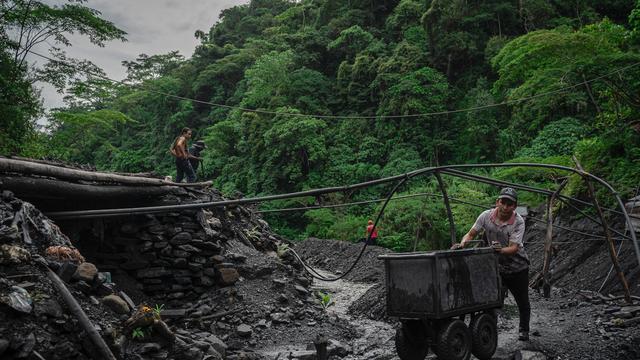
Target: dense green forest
{"x":296,"y":95}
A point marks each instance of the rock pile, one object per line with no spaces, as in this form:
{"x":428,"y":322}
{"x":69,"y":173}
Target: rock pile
{"x":211,"y":283}
{"x":172,"y":254}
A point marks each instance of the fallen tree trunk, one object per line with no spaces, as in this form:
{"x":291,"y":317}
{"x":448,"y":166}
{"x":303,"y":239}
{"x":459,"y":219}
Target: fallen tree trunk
{"x":33,"y":187}
{"x":33,"y":168}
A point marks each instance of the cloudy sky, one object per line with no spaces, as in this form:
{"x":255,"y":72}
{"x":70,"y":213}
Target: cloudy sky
{"x":152,"y":26}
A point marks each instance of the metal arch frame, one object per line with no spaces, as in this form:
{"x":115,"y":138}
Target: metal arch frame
{"x":447,"y":169}
{"x":582,"y":174}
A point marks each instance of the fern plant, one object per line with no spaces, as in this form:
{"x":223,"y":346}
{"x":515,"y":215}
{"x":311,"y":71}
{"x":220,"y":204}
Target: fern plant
{"x":137,"y":333}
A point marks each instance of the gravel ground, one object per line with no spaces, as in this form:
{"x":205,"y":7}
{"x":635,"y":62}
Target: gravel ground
{"x":571,"y":324}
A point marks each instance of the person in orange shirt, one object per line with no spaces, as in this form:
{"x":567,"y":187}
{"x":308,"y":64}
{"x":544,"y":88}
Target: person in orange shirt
{"x":373,"y":232}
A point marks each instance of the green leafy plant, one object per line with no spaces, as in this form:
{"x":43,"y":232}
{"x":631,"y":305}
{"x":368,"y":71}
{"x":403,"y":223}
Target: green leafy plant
{"x":282,"y":249}
{"x":137,"y":333}
{"x":158,"y":309}
{"x":325,"y":300}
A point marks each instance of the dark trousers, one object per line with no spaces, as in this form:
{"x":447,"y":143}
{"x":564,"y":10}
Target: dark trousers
{"x":518,"y":285}
{"x":183,"y":167}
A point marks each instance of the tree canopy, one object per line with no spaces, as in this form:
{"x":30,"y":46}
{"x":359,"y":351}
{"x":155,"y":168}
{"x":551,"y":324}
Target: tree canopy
{"x":292,"y":95}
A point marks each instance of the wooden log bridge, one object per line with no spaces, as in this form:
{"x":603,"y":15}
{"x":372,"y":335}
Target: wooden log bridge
{"x":54,"y":187}
{"x":27,"y":168}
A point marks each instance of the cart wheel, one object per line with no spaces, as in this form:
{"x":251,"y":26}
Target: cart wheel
{"x":454,"y":341}
{"x":484,"y":336}
{"x":411,"y":341}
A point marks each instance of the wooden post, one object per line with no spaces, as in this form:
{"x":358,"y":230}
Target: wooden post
{"x":546,"y":281}
{"x":607,"y":232}
{"x":452,"y":226}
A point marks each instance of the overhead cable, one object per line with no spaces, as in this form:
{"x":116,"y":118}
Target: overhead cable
{"x":320,"y":116}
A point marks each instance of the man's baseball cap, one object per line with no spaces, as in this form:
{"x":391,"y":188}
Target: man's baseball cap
{"x":200,"y":144}
{"x":508,"y":193}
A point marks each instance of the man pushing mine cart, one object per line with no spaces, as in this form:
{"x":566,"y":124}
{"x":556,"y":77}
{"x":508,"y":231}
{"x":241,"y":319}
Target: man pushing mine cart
{"x":432,"y":294}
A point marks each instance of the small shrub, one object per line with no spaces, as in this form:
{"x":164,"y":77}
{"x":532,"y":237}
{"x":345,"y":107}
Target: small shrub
{"x":282,"y":249}
{"x":325,"y":300}
{"x":158,"y":309}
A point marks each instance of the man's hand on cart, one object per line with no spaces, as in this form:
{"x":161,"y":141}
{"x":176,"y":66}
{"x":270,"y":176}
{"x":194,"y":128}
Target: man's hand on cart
{"x":496,"y":246}
{"x":463,"y":244}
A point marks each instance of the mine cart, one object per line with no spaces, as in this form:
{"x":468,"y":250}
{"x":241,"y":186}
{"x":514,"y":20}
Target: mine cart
{"x":433,"y":292}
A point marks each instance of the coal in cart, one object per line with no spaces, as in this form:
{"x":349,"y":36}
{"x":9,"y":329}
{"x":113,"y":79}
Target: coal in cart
{"x":446,"y":301}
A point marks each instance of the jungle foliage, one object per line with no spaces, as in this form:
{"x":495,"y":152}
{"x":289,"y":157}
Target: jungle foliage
{"x":319,"y":93}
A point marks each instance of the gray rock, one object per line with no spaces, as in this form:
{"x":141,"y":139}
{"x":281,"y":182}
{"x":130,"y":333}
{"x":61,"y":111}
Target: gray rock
{"x":205,"y":309}
{"x":262,"y":323}
{"x":217,"y":344}
{"x":192,"y":353}
{"x":303,"y":281}
{"x":156,"y":229}
{"x":180,"y":238}
{"x":49,"y":307}
{"x":279,"y":283}
{"x":195,"y":266}
{"x":180,"y":254}
{"x":116,"y":303}
{"x":217,"y":259}
{"x":214,"y":222}
{"x":279,"y":318}
{"x":199,"y":259}
{"x":336,"y":348}
{"x":227,"y":276}
{"x":160,"y":244}
{"x":244,"y":330}
{"x":212,"y":354}
{"x":189,"y":248}
{"x":301,"y":290}
{"x":86,"y":272}
{"x":146,"y":246}
{"x":150,"y":348}
{"x":207,"y":245}
{"x":303,"y":355}
{"x":529,"y":355}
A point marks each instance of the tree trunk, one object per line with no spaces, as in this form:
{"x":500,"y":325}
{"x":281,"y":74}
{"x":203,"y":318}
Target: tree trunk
{"x":40,"y":188}
{"x":33,"y":168}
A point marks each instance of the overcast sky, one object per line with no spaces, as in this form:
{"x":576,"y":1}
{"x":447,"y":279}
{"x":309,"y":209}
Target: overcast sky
{"x":152,"y":26}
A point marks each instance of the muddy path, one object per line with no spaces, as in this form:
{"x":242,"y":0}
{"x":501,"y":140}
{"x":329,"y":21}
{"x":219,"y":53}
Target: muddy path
{"x":569,"y":325}
{"x":375,"y":338}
